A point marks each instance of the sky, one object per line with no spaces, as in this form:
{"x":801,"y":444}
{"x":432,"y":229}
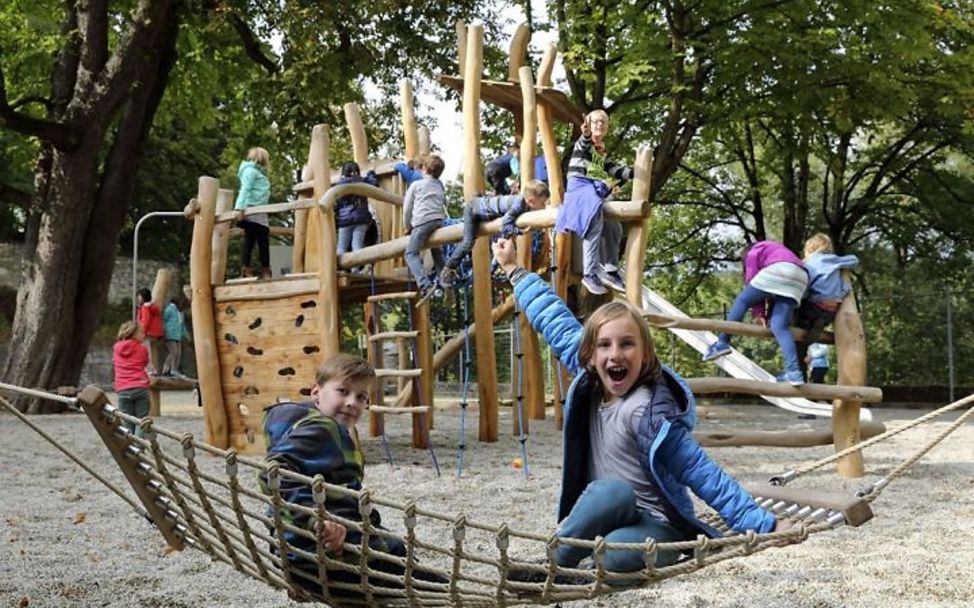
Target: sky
{"x":447,"y":137}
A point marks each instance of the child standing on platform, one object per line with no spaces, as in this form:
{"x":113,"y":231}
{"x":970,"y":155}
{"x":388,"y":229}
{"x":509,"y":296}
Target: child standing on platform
{"x":588,"y":172}
{"x":130,"y":359}
{"x":533,"y":196}
{"x":255,"y":190}
{"x":175,"y":329}
{"x":771,"y":272}
{"x":424,"y":209}
{"x":352,"y":211}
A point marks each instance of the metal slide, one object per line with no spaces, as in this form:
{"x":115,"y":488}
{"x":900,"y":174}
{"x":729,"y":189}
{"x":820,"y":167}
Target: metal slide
{"x":736,"y":364}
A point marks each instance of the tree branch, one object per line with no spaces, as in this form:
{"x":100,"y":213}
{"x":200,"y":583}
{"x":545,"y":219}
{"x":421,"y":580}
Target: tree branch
{"x":251,"y":45}
{"x":54,"y":133}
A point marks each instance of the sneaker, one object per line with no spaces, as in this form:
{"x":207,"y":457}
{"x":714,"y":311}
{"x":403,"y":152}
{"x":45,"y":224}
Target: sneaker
{"x":716,"y":350}
{"x":448,"y":277}
{"x":593,"y":284}
{"x":792,"y":378}
{"x":613,"y":278}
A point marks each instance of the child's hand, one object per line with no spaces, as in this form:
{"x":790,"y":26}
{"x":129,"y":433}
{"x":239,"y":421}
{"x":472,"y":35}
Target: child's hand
{"x":505,"y":253}
{"x":761,"y":321}
{"x":332,"y":535}
{"x":586,"y":127}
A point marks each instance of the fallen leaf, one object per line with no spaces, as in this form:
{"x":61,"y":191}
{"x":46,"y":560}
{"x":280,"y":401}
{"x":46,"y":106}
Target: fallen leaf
{"x":24,"y":602}
{"x":79,"y":518}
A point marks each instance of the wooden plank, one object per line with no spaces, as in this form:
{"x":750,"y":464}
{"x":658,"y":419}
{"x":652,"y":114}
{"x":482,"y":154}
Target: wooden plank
{"x":730,"y":327}
{"x":855,"y":510}
{"x":508,"y":95}
{"x":395,"y":295}
{"x":785,"y":439}
{"x":390,"y":409}
{"x":826,"y":392}
{"x":393,"y":335}
{"x":253,"y":289}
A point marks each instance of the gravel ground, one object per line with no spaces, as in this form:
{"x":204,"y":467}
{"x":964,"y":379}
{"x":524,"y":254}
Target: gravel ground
{"x":65,"y":540}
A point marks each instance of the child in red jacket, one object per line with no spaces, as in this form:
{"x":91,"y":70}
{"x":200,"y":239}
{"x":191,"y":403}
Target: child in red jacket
{"x":131,"y":358}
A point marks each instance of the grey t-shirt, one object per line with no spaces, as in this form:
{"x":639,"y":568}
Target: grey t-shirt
{"x":614,"y":452}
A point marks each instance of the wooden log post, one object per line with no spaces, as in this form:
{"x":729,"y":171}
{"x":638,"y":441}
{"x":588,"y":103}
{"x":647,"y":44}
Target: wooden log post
{"x":562,"y":243}
{"x":300,"y":240}
{"x":424,"y":360}
{"x":532,"y":379}
{"x":318,"y":162}
{"x":329,"y":306}
{"x":221,"y":239}
{"x":160,"y":296}
{"x":424,"y":140}
{"x":638,"y":231}
{"x":409,"y":131}
{"x":461,"y":30}
{"x":376,"y":355}
{"x":850,"y":350}
{"x":204,"y":323}
{"x":472,"y":185}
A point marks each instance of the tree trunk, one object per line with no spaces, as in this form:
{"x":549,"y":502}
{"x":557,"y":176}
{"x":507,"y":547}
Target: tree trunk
{"x":82,"y":195}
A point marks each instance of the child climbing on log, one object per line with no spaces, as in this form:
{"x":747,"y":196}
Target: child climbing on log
{"x":771,"y":272}
{"x":826,"y":287}
{"x":409,"y":171}
{"x":130,"y":360}
{"x":629,"y":452}
{"x":424,"y":209}
{"x":480,"y":209}
{"x":255,"y":190}
{"x":352,"y":211}
{"x":501,"y":168}
{"x":588,"y":173}
{"x":318,"y":437}
{"x":150,"y":319}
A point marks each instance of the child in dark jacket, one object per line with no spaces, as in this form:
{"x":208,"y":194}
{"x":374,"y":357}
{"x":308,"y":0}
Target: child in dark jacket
{"x":130,"y":358}
{"x":771,"y":272}
{"x":318,"y":437}
{"x":481,"y":209}
{"x":629,"y":451}
{"x":352,"y":213}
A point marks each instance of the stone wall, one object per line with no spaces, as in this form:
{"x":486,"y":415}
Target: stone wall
{"x":120,"y":290}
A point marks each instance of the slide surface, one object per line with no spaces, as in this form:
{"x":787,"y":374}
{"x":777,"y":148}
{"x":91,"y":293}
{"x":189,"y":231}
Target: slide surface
{"x":736,"y":364}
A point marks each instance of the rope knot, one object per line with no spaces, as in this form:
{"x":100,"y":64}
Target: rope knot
{"x":318,"y":490}
{"x":189,"y":449}
{"x":231,"y":462}
{"x":409,"y":515}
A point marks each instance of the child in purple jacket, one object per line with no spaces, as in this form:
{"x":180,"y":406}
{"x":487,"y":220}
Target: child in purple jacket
{"x":771,"y":272}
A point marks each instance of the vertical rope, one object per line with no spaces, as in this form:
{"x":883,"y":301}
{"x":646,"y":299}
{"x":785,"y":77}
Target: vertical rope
{"x":554,"y":287}
{"x":522,"y":436}
{"x":234,"y":485}
{"x":189,"y":454}
{"x":462,"y":441}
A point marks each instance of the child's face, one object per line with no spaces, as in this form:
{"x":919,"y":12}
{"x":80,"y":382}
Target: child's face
{"x":600,"y":126}
{"x":618,"y":356}
{"x":535,"y":202}
{"x":342,"y":399}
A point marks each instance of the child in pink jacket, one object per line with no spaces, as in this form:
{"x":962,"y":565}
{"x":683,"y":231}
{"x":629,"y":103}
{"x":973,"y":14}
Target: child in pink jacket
{"x":771,"y":272}
{"x":130,"y":358}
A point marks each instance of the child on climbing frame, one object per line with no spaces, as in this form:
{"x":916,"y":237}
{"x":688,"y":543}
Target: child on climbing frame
{"x":255,"y":190}
{"x":771,"y":272}
{"x":424,"y":209}
{"x":409,"y":171}
{"x":318,"y":437}
{"x":629,"y":451}
{"x":588,"y":172}
{"x":352,"y":212}
{"x":501,"y":168}
{"x":175,"y":333}
{"x":826,"y":287}
{"x":533,"y":196}
{"x":130,"y":358}
{"x":150,"y":319}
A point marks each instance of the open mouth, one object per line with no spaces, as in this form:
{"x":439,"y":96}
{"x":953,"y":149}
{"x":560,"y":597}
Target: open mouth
{"x":617,"y":373}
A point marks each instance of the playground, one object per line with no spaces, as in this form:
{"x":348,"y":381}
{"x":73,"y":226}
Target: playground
{"x":66,"y":541}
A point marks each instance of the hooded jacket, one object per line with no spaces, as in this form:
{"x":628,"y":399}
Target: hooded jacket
{"x":672,"y":458}
{"x":255,"y":190}
{"x":130,"y":358}
{"x":353,"y":209}
{"x":825,"y":282}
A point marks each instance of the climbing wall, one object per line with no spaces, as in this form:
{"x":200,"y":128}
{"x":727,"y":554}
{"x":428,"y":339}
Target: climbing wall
{"x":268,"y":352}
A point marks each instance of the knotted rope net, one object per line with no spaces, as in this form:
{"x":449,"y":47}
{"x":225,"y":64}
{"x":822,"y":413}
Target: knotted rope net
{"x":213,"y":505}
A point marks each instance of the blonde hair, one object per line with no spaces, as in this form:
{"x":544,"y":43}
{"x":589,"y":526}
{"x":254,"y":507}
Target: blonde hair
{"x":594,"y":114}
{"x":536,"y":187}
{"x":259,"y":156}
{"x":344,"y":367}
{"x":126,"y":330}
{"x":818,"y":243}
{"x":610,"y":312}
{"x":433,"y":165}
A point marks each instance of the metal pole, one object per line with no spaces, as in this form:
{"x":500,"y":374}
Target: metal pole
{"x":135,"y":251}
{"x":950,"y":346}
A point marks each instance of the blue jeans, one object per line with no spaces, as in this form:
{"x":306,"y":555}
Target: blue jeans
{"x":470,"y":223}
{"x":134,"y":402}
{"x":353,"y":236}
{"x":607,"y":508}
{"x":780,"y":321}
{"x":414,"y":255}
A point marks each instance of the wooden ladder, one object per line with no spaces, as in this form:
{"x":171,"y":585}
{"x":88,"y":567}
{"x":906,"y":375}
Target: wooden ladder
{"x":409,"y":370}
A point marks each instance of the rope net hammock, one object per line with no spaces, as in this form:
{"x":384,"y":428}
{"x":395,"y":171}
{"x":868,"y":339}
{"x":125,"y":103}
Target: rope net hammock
{"x":448,"y":560}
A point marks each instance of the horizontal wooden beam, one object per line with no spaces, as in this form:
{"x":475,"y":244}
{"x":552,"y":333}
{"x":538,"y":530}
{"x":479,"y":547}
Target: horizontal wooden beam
{"x":821,"y":392}
{"x":624,"y":211}
{"x":781,"y":439}
{"x":730,"y":327}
